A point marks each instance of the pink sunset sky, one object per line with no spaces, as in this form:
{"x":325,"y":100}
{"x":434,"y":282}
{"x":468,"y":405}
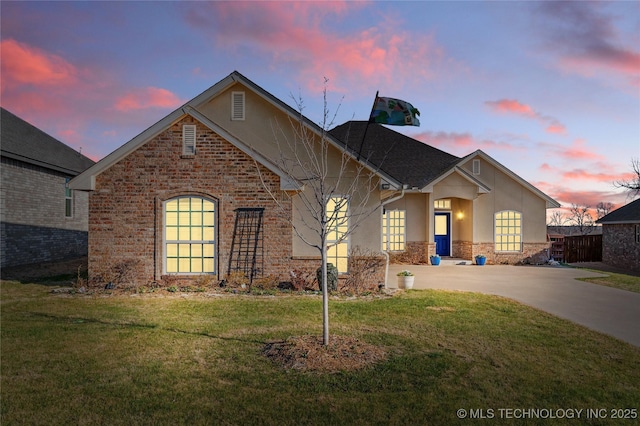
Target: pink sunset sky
{"x":550,"y":90}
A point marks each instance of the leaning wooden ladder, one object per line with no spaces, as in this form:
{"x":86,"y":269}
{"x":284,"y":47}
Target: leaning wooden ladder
{"x":247,"y":243}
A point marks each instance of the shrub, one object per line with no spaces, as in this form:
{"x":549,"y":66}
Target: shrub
{"x":270,"y":282}
{"x":364,"y":266}
{"x":302,"y":279}
{"x":119,"y":274}
{"x":236,"y":279}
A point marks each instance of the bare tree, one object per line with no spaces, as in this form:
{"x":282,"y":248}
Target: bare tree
{"x":603,"y":209}
{"x":328,"y":176}
{"x":581,"y":218}
{"x":633,"y":184}
{"x":557,"y":218}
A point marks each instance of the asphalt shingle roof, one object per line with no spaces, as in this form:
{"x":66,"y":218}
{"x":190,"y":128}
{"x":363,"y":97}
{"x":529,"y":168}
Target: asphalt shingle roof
{"x":625,"y":214}
{"x":407,"y":160}
{"x":24,"y":142}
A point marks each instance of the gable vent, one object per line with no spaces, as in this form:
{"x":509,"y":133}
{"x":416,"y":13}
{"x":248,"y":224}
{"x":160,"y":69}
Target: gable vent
{"x":189,"y":139}
{"x":476,"y":167}
{"x":237,"y":105}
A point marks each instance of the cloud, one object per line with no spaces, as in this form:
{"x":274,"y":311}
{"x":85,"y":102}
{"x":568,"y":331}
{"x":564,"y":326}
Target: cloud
{"x":582,"y":175}
{"x":556,"y":127}
{"x":587,"y":42}
{"x":24,"y":64}
{"x":292,"y":36}
{"x":81,"y":105}
{"x":463,"y":143}
{"x":512,"y":106}
{"x":148,"y":97}
{"x":578,"y":151}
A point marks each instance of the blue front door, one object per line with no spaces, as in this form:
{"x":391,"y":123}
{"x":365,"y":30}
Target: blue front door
{"x":442,"y":233}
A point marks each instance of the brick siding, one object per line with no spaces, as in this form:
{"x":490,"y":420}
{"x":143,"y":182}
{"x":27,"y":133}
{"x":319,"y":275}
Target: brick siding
{"x":126,"y":208}
{"x":619,"y":247}
{"x":32,"y":207}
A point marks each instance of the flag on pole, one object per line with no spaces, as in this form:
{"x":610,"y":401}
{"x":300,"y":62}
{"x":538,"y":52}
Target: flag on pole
{"x":395,"y":112}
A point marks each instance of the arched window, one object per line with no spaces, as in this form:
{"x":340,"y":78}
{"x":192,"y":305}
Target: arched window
{"x":190,"y":235}
{"x":508,"y":235}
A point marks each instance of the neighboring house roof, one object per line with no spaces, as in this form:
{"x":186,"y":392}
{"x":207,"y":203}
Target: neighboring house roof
{"x":625,"y":214}
{"x":407,"y":160}
{"x":86,"y":180}
{"x":25,"y":142}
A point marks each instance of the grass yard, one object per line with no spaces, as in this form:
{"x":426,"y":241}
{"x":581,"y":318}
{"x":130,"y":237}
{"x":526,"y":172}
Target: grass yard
{"x":197,"y":359}
{"x":621,"y":281}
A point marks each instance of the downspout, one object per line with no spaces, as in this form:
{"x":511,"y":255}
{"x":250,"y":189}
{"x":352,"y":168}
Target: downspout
{"x":386,"y":265}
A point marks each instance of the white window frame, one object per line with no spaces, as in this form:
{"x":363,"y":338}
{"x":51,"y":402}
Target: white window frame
{"x":394,"y":230}
{"x":188,"y":220}
{"x":508,"y":231}
{"x":337,"y":226}
{"x":237,"y":106}
{"x":189,"y":139}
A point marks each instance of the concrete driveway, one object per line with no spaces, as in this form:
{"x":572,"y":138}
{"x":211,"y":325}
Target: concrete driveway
{"x":552,"y":289}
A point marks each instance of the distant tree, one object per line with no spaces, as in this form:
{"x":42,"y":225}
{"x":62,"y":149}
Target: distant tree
{"x":581,"y":218}
{"x":603,"y":209}
{"x":632,"y":185}
{"x":557,"y":218}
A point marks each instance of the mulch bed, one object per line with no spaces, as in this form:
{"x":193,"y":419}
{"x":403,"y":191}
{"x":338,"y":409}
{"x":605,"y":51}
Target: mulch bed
{"x":307,"y":353}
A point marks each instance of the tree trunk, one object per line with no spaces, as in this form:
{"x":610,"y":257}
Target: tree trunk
{"x":325,"y":295}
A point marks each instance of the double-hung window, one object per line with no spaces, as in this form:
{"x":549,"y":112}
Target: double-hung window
{"x":190,"y":235}
{"x":337,"y":212}
{"x":508,"y":227}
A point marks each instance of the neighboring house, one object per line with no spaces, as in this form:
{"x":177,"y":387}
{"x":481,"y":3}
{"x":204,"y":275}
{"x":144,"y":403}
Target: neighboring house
{"x":166,"y":202}
{"x":621,"y":237}
{"x":42,"y":219}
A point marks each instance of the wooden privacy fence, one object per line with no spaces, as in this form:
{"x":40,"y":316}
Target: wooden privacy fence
{"x":583,"y":248}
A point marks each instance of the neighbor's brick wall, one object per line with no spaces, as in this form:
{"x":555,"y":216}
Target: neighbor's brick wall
{"x":125,"y":217}
{"x":619,"y":247}
{"x":32,"y":208}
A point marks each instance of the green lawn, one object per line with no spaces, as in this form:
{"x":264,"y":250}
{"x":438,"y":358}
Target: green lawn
{"x":196,"y":359}
{"x":621,"y":281}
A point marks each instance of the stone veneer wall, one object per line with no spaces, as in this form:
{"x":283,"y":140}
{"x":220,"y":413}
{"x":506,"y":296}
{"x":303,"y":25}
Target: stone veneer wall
{"x":534,"y":253}
{"x":126,"y":210}
{"x":419,"y":252}
{"x":619,"y":246}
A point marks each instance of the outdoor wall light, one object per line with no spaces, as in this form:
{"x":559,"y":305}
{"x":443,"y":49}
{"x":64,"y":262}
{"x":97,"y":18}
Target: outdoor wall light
{"x":460,"y":215}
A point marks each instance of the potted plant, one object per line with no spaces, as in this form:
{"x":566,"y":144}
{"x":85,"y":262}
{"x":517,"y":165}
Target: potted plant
{"x":405,"y":279}
{"x":435,"y":260}
{"x":481,"y":259}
